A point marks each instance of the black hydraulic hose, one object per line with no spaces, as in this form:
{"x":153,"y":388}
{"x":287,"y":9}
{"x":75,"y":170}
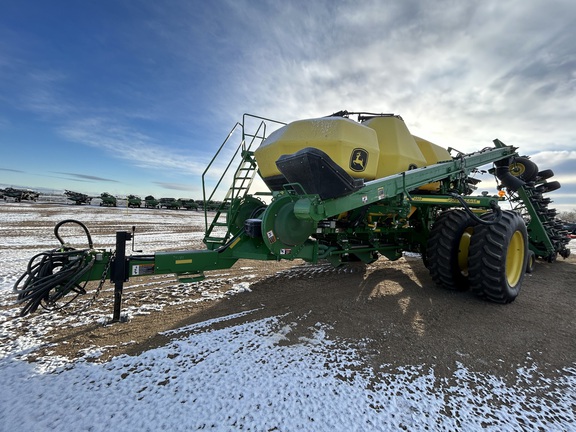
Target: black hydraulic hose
{"x":493,"y":205}
{"x":53,"y":274}
{"x":66,"y":221}
{"x":50,"y":276}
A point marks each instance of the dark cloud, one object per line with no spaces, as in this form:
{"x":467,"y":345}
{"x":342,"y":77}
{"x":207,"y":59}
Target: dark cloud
{"x":88,"y":177}
{"x":176,"y":186}
{"x":11,"y":170}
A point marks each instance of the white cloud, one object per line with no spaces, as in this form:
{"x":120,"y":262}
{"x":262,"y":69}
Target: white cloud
{"x":554,"y":157}
{"x":467,"y":73}
{"x":125,"y":142}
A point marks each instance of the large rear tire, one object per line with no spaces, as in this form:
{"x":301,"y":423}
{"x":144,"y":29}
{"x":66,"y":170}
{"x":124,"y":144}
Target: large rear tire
{"x":447,"y":249}
{"x":498,"y":258}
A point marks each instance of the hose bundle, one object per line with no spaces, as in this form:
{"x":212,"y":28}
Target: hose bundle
{"x":492,"y":218}
{"x":53,"y":274}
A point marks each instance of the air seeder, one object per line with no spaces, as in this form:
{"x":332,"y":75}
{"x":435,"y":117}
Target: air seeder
{"x":344,"y":188}
{"x":78,"y":197}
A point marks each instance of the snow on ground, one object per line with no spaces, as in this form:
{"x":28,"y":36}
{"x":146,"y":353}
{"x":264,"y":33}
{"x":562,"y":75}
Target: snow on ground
{"x":242,"y":377}
{"x":239,"y":378}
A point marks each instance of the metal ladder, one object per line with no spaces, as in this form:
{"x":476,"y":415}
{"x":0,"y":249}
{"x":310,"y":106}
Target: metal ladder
{"x":243,"y":178}
{"x":218,"y":232}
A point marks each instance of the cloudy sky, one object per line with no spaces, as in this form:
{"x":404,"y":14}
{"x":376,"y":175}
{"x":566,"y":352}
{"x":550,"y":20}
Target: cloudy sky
{"x":135,"y":96}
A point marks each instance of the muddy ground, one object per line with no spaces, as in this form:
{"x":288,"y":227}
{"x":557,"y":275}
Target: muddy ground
{"x":392,"y":311}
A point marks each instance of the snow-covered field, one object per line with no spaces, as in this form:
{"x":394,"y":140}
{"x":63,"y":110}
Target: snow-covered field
{"x":240,"y":377}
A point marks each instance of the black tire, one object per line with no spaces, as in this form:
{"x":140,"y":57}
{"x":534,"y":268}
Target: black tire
{"x":425,"y":259}
{"x":524,"y":169}
{"x":548,"y":187}
{"x":498,"y":258}
{"x":545,"y":174}
{"x":530,"y":262}
{"x":447,"y":249}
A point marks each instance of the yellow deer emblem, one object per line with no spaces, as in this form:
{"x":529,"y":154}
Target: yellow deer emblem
{"x":358,"y":160}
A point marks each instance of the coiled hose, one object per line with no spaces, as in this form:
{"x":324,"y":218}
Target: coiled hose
{"x":53,"y":274}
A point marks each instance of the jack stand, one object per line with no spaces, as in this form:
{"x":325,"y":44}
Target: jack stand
{"x":120,"y":273}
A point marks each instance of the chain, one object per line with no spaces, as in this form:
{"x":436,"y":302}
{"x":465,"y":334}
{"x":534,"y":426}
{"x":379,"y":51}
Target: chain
{"x":103,"y":277}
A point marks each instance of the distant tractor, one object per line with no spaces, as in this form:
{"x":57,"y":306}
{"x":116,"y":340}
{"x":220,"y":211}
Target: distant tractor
{"x":151,"y":202}
{"x":170,"y":203}
{"x":77,"y":197}
{"x":134,"y":201}
{"x":107,"y":200}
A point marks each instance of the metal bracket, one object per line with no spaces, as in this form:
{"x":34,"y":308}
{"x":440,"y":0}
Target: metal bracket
{"x":120,"y":272}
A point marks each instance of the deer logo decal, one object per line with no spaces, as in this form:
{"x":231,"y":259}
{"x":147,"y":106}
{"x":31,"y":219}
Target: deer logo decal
{"x":358,"y":160}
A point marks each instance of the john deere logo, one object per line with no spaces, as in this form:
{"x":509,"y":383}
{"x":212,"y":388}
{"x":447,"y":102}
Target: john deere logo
{"x":358,"y":160}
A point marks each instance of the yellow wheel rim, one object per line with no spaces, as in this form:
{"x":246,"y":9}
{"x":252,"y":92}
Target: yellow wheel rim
{"x":515,"y":258}
{"x":517,"y":169}
{"x":463,"y":250}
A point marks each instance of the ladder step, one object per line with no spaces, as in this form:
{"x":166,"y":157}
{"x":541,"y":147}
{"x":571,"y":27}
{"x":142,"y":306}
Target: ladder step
{"x":242,"y":180}
{"x":215,"y":239}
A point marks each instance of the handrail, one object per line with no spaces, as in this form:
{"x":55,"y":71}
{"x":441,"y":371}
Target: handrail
{"x":248,"y":139}
{"x":219,"y":181}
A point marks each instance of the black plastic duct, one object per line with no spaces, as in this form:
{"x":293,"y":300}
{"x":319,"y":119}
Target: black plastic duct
{"x":513,"y":183}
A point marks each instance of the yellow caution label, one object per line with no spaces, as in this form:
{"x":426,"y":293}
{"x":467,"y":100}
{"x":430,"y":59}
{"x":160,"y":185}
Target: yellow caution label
{"x":234,"y":243}
{"x":184,"y":261}
{"x":444,"y":200}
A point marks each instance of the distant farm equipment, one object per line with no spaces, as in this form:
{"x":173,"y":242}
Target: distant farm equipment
{"x":107,"y":200}
{"x":188,"y":204}
{"x":170,"y":203}
{"x":77,"y":197}
{"x":133,"y":201}
{"x":151,"y":202}
{"x":19,"y":194}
